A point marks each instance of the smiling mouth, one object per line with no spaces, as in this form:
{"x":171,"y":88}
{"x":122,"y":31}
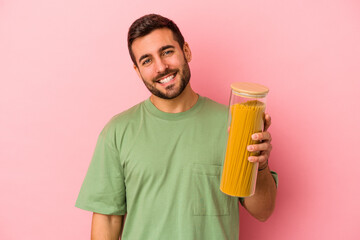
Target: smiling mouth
{"x":167,"y":79}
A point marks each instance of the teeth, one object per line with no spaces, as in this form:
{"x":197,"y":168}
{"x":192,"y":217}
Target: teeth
{"x":168,"y":79}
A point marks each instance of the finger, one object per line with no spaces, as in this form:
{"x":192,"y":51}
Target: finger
{"x":265,"y":146}
{"x":261,"y":136}
{"x":267,"y":122}
{"x":259,"y":159}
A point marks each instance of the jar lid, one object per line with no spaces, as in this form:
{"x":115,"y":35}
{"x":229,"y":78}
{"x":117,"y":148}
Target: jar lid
{"x":249,"y":89}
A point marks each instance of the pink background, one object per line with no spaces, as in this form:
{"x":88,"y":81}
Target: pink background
{"x":65,"y":71}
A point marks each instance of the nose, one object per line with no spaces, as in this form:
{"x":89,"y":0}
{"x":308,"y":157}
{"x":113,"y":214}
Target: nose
{"x":161,"y":66}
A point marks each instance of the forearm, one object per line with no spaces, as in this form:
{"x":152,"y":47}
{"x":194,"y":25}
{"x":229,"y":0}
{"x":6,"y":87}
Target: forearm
{"x":106,"y":227}
{"x":262,"y":203}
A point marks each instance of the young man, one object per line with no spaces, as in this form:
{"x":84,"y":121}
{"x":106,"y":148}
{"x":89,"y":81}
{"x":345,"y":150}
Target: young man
{"x":159,"y":163}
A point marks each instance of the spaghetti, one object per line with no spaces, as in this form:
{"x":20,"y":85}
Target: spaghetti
{"x":239,"y":175}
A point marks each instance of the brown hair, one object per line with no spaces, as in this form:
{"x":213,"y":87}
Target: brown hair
{"x":148,"y":23}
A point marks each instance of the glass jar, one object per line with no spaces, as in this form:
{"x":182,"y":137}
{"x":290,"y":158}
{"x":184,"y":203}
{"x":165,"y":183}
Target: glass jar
{"x":246,"y":117}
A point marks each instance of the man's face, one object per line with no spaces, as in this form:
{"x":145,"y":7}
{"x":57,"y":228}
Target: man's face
{"x":162,"y":64}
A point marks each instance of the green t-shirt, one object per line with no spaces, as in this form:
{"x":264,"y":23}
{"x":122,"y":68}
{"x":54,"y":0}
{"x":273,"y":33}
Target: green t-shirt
{"x":163,"y":171}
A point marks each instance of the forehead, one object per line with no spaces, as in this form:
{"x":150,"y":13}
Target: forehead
{"x":151,"y":43}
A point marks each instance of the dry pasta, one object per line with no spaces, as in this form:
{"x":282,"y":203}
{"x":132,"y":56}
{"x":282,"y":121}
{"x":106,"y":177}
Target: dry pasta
{"x":238,"y":172}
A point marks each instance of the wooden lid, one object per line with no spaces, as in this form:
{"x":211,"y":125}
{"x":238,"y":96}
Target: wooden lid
{"x":250,"y":89}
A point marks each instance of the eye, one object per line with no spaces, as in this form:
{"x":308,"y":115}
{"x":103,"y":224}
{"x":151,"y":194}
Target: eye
{"x":168,"y":52}
{"x":146,"y":61}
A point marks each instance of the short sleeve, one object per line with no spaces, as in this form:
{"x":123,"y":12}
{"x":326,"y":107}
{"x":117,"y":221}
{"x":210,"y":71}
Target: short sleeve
{"x":274,"y":175}
{"x":103,"y":189}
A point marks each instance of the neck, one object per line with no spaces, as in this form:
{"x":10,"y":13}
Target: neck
{"x":186,"y":100}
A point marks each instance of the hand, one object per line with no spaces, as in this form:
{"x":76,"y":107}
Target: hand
{"x":264,"y":145}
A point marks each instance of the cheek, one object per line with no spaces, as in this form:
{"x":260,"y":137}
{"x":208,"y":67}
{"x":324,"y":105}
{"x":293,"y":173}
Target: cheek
{"x":175,"y":63}
{"x":147,"y":73}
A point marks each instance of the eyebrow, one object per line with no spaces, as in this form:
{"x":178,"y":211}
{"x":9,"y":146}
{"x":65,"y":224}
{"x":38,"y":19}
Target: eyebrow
{"x":165,"y":47}
{"x":160,"y":50}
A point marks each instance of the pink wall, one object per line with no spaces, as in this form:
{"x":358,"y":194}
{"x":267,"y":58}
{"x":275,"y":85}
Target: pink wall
{"x":65,"y":71}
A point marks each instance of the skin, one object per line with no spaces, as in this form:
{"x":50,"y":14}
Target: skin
{"x":158,"y":56}
{"x":160,"y":61}
{"x":106,"y":227}
{"x":262,"y":203}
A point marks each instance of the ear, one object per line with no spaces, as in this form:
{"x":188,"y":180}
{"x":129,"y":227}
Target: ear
{"x":187,"y":52}
{"x":137,"y":71}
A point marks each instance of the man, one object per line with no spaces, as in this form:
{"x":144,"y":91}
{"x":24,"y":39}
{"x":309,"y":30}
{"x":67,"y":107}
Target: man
{"x":159,"y":163}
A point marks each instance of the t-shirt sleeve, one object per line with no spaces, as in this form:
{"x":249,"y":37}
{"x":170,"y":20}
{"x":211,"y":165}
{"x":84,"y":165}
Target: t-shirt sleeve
{"x":103,"y":189}
{"x":274,"y":175}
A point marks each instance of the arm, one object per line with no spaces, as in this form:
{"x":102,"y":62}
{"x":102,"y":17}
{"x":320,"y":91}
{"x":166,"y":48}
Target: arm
{"x":262,"y":203}
{"x":106,"y":227}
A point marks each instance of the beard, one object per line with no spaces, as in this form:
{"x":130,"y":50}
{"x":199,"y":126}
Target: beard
{"x":171,"y":91}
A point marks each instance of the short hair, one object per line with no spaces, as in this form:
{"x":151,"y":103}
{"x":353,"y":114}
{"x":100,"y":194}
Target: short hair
{"x":148,"y":23}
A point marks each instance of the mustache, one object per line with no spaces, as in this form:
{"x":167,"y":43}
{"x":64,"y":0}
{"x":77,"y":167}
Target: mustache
{"x":163,"y":74}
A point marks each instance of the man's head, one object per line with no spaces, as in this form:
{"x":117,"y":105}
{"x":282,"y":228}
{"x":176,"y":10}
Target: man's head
{"x":160,"y":56}
{"x":148,"y":23}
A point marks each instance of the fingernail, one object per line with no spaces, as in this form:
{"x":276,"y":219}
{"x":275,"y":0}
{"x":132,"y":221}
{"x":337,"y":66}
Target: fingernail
{"x":254,"y":136}
{"x":250,"y":148}
{"x":251,"y":159}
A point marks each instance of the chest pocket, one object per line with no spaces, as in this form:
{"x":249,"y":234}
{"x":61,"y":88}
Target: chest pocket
{"x":206,"y":194}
